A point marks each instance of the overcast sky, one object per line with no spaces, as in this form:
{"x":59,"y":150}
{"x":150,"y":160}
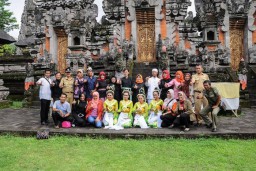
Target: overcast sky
{"x":17,"y":7}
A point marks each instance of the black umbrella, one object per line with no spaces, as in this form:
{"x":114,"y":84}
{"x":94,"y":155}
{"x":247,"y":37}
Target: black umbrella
{"x":5,"y":38}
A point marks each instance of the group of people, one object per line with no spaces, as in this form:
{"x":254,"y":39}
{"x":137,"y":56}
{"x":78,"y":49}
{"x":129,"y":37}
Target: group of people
{"x":121,"y":103}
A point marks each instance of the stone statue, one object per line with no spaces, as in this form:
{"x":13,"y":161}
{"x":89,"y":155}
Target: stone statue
{"x":189,"y":18}
{"x":159,"y":45}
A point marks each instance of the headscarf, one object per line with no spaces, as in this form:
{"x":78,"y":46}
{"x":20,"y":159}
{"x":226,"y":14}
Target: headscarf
{"x":167,"y":100}
{"x":80,"y":70}
{"x":167,"y":75}
{"x":139,"y":79}
{"x":95,"y":102}
{"x":181,"y":79}
{"x":183,"y":95}
{"x":102,"y":73}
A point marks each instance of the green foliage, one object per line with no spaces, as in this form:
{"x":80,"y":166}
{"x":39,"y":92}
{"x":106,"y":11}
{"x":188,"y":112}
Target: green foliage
{"x":7,"y":49}
{"x":7,"y":21}
{"x":17,"y":105}
{"x":74,"y":153}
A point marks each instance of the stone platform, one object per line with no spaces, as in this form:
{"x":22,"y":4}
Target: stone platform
{"x":25,"y":122}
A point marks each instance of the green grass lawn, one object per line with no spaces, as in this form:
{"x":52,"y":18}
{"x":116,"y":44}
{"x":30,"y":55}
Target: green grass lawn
{"x":71,"y":153}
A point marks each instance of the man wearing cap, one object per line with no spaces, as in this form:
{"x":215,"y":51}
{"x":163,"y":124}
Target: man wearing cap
{"x":90,"y":85}
{"x":67,"y":85}
{"x":197,"y":82}
{"x":152,"y":83}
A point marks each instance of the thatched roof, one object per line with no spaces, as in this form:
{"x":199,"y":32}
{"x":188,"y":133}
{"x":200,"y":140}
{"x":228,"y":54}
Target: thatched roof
{"x":5,"y":38}
{"x":26,"y":42}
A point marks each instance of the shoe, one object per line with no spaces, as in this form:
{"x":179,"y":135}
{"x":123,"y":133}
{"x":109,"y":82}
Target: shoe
{"x":73,"y":125}
{"x":57,"y":127}
{"x":209,"y":126}
{"x":171,"y":126}
{"x":186,"y":129}
{"x":43,"y":123}
{"x":214,"y":129}
{"x":46,"y":122}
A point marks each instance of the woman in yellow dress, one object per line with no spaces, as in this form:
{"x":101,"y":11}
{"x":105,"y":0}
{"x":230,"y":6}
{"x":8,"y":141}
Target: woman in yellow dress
{"x":140,"y":110}
{"x":155,"y":110}
{"x":110,"y":110}
{"x":125,"y":109}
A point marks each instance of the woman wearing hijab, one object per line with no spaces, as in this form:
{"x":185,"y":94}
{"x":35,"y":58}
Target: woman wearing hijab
{"x":184,"y":112}
{"x":101,"y":85}
{"x":137,"y":87}
{"x":94,"y":111}
{"x":176,"y":83}
{"x":186,"y":87}
{"x":166,"y":79}
{"x":169,"y":106}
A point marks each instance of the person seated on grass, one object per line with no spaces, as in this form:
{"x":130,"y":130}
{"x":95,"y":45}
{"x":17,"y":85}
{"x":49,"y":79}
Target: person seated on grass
{"x":78,"y":111}
{"x":140,"y":110}
{"x":155,"y":110}
{"x":110,"y":110}
{"x":61,"y":111}
{"x":125,"y":109}
{"x":183,"y":111}
{"x":169,"y":106}
{"x":213,"y":97}
{"x":94,"y":110}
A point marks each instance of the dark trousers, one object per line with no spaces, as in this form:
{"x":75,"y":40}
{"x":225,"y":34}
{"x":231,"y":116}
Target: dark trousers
{"x":45,"y":105}
{"x":78,"y":120}
{"x":184,"y":119}
{"x":167,"y":120}
{"x":58,"y":119}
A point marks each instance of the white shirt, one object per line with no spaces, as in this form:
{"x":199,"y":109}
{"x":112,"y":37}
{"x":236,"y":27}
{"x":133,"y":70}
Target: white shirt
{"x":45,"y":88}
{"x":152,"y":83}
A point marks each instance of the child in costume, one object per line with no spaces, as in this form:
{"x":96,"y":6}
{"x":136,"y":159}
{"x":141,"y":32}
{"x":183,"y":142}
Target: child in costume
{"x":141,"y":112}
{"x":155,"y":110}
{"x":101,"y":85}
{"x":125,"y":109}
{"x":110,"y":109}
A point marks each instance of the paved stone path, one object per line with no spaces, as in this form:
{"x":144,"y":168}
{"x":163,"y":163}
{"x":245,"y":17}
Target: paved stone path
{"x":26,"y":122}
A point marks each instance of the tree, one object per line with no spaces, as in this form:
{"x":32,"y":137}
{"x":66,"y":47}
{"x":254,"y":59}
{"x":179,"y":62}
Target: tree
{"x":7,"y":21}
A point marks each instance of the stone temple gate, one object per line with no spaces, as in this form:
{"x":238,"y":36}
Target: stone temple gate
{"x":141,"y":34}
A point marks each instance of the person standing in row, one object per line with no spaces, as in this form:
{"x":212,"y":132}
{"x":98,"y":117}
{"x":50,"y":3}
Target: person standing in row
{"x":102,"y":85}
{"x":67,"y":85}
{"x":166,"y":78}
{"x":56,"y":90}
{"x":79,"y":84}
{"x":152,"y":83}
{"x":113,"y":85}
{"x":176,"y":83}
{"x":137,"y":87}
{"x":45,"y":84}
{"x":213,"y":97}
{"x":126,"y":82}
{"x":90,"y":85}
{"x":199,"y":99}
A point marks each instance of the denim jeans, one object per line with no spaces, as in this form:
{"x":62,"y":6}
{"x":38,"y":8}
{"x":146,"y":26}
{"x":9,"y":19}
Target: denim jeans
{"x":92,"y":120}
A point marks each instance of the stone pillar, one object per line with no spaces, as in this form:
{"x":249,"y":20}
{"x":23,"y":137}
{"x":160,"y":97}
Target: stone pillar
{"x":54,"y":44}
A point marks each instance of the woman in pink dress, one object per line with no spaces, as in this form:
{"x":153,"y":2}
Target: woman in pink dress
{"x":176,"y":83}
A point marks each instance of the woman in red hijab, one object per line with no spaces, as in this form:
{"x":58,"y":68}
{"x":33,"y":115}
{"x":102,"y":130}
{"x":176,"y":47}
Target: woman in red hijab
{"x":166,"y":78}
{"x":101,"y":85}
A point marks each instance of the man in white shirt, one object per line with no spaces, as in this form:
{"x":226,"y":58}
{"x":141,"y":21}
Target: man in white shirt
{"x":45,"y":84}
{"x":152,"y":83}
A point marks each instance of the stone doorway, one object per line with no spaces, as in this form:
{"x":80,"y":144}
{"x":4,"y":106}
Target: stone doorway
{"x":146,"y":34}
{"x":236,"y":42}
{"x":62,"y":50}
